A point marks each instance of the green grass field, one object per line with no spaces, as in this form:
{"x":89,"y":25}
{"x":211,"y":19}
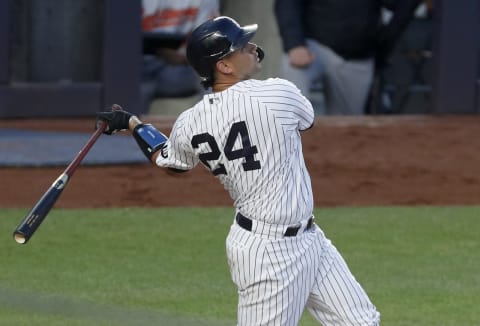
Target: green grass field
{"x":420,"y":266}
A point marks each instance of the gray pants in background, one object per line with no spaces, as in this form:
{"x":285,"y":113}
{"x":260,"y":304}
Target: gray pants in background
{"x":345,"y":84}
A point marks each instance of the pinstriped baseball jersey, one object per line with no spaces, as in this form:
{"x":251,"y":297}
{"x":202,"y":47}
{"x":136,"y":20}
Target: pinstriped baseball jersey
{"x":248,"y":137}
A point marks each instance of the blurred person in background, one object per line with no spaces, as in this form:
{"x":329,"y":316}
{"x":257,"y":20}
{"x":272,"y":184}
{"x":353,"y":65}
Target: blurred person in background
{"x":338,"y":44}
{"x":166,"y":25}
{"x":407,"y":71}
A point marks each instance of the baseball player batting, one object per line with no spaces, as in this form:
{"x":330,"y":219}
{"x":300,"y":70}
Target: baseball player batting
{"x":247,"y":133}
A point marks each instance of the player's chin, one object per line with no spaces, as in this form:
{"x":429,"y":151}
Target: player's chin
{"x":253,"y":70}
{"x":258,"y":67}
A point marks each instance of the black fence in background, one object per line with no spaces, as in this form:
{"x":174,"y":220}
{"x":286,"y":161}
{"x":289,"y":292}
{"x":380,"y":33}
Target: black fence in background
{"x":68,"y":58}
{"x":456,"y":79}
{"x":71,"y":58}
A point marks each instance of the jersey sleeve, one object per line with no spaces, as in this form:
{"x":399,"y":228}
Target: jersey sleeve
{"x":286,"y":99}
{"x":178,"y":152}
{"x":304,"y":111}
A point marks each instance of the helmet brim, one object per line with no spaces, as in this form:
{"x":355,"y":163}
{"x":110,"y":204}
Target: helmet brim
{"x":248,"y":32}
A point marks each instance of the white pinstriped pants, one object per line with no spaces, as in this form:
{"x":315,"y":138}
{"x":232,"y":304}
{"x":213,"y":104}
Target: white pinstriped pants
{"x":277,"y":278}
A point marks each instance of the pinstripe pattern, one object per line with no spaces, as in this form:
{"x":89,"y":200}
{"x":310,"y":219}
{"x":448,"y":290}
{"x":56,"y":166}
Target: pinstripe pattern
{"x":278,"y":278}
{"x":249,"y":137}
{"x":274,"y":111}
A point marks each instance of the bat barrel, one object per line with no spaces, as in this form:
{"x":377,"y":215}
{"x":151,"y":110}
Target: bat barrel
{"x":27,"y":227}
{"x":20,"y":237}
{"x":34,"y":218}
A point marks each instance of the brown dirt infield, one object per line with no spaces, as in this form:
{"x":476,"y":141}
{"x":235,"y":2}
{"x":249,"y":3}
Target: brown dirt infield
{"x":353,"y":161}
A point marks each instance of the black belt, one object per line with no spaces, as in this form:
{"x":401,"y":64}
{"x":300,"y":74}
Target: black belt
{"x":246,"y":223}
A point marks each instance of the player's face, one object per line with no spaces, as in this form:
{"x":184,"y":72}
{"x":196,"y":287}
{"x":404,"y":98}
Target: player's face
{"x":246,"y":61}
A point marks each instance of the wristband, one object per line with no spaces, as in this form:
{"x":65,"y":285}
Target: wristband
{"x":149,"y":139}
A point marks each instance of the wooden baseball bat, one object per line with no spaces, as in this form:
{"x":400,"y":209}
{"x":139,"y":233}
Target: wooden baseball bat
{"x":35,"y":217}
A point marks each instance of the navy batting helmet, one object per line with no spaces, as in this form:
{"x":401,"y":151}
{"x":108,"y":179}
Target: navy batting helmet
{"x":215,"y":39}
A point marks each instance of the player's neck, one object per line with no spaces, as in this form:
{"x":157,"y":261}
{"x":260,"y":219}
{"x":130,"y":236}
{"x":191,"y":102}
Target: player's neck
{"x":223,"y":82}
{"x":221,"y":86}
